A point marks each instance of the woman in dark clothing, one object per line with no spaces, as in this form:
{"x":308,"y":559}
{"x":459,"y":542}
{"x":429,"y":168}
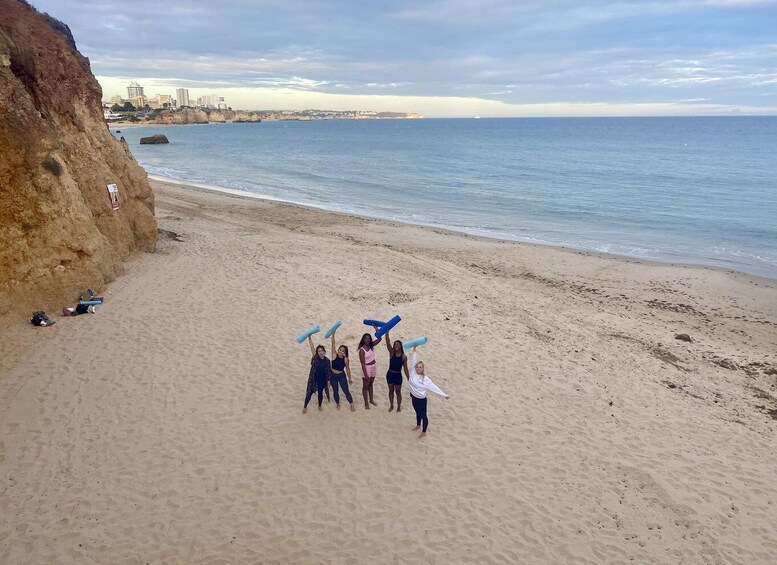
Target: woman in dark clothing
{"x":320,"y":373}
{"x":341,"y":367}
{"x":397,"y":362}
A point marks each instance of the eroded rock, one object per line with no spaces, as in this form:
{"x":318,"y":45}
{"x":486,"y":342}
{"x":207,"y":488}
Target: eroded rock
{"x":155,"y":139}
{"x":56,"y":159}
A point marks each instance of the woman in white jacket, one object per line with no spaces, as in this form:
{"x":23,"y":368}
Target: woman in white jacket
{"x":419,"y":384}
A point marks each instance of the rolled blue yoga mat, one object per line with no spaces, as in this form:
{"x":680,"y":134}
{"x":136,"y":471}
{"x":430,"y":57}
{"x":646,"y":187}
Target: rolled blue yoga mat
{"x":333,"y":329}
{"x":387,"y":326}
{"x":304,"y":335}
{"x":415,"y":342}
{"x":374,"y":323}
{"x":91,"y":302}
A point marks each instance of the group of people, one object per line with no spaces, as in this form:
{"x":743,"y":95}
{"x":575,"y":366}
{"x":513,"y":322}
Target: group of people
{"x":337,"y":372}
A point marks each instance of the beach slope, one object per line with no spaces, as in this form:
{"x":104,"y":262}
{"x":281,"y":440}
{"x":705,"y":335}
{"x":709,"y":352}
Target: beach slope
{"x":168,"y":426}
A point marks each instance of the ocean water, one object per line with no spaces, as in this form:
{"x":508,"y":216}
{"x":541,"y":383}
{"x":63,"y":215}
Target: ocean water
{"x":699,"y":190}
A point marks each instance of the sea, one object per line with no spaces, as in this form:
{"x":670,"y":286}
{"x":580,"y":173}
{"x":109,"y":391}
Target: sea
{"x":697,"y":190}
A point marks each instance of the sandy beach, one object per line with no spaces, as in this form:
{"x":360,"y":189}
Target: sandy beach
{"x":168,"y":426}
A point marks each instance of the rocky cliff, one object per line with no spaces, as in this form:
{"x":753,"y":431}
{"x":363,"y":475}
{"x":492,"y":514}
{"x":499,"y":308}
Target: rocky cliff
{"x":59,"y":233}
{"x":203,"y":116}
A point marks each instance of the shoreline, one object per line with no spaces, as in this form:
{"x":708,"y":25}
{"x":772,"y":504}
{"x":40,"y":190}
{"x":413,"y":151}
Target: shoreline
{"x":757,"y":279}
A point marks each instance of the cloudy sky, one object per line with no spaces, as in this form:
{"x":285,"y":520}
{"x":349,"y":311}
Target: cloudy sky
{"x":440,"y":58}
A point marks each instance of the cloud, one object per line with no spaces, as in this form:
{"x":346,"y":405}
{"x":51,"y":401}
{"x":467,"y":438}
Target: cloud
{"x":514,"y":53}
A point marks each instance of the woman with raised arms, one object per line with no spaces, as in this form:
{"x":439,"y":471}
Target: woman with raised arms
{"x":341,"y":367}
{"x":320,"y":373}
{"x":419,"y":384}
{"x":397,"y":362}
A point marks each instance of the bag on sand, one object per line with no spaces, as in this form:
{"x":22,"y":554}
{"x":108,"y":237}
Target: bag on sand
{"x":39,"y":318}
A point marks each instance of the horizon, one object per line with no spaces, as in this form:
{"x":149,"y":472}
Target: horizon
{"x":443,"y":59}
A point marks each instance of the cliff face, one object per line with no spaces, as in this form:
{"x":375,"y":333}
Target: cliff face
{"x":196,"y":116}
{"x":58,"y":231}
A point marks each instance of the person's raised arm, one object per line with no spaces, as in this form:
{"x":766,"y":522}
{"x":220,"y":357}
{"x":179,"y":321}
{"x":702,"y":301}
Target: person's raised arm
{"x":376,"y":341}
{"x":334,"y":352}
{"x":388,"y":344}
{"x":312,"y":349}
{"x":415,"y":359}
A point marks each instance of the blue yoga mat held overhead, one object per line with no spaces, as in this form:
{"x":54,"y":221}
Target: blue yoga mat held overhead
{"x":415,"y":342}
{"x":333,"y":329}
{"x":374,"y":323}
{"x":387,"y":326}
{"x":304,"y":335}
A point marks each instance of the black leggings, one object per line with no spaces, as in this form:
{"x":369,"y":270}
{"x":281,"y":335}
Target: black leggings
{"x":339,"y":380}
{"x":320,"y":387}
{"x":419,"y":405}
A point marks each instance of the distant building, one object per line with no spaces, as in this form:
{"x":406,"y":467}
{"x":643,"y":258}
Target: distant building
{"x":139,"y":101}
{"x":211,"y":101}
{"x":117,"y":100}
{"x":110,"y":116}
{"x":162,"y":99}
{"x":134,"y":90}
{"x":182,"y":94}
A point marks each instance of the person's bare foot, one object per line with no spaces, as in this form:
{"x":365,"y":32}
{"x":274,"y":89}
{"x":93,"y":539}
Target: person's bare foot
{"x":338,"y":407}
{"x":417,"y":428}
{"x":305,"y":410}
{"x":353,"y":408}
{"x":366,"y":406}
{"x":320,"y":409}
{"x":399,"y":409}
{"x":373,"y":402}
{"x":391,"y":408}
{"x":423,"y":435}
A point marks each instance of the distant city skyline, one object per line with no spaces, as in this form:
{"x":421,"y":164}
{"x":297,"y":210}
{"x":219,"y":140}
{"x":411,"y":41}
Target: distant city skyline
{"x":136,"y":95}
{"x":441,"y":58}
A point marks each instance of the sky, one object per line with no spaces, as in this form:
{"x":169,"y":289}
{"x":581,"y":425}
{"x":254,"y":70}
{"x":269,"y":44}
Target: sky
{"x":441,"y":58}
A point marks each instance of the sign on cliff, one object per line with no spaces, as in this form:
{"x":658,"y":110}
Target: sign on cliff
{"x":113,"y":191}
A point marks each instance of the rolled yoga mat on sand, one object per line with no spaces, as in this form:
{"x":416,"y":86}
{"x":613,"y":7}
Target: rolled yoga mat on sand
{"x":415,"y":342}
{"x":304,"y":335}
{"x":387,"y":326}
{"x":91,"y":302}
{"x":333,"y":329}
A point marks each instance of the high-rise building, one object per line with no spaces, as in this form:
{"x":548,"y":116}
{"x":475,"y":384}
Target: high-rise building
{"x":134,"y":90}
{"x":182,"y":94}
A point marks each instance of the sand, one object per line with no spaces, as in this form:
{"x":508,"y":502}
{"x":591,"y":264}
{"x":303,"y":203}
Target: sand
{"x":168,"y":426}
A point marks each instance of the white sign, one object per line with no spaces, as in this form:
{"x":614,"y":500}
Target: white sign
{"x":113,"y":191}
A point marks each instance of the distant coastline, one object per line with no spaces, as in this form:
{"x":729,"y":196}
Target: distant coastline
{"x":181,"y":116}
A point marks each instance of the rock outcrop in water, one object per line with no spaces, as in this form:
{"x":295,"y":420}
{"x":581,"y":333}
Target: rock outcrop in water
{"x":59,"y":233}
{"x":155,"y":139}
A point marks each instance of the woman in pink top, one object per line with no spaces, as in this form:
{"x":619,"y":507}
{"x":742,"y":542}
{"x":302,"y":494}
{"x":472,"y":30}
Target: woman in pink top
{"x":369,"y":368}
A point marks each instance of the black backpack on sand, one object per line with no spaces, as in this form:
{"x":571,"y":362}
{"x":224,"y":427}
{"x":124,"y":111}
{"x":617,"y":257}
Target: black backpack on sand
{"x":40,"y":318}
